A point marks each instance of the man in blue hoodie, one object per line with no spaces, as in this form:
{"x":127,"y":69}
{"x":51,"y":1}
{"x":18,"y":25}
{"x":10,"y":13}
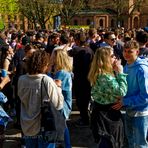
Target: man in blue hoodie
{"x":136,"y":99}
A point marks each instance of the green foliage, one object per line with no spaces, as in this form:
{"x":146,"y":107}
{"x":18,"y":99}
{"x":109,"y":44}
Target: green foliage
{"x":69,"y":8}
{"x":9,"y":7}
{"x":37,"y":11}
{"x":2,"y":26}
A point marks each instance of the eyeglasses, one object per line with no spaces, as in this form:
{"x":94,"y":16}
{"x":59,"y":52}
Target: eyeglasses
{"x":113,"y":39}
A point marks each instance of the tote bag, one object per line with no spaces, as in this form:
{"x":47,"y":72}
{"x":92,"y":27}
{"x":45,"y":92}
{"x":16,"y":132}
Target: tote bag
{"x":52,"y":121}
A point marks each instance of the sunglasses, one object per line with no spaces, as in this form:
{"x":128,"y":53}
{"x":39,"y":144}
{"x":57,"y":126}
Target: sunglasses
{"x":113,"y":39}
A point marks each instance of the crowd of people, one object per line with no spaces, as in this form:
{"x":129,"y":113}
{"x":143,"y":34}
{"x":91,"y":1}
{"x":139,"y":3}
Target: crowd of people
{"x":107,"y":68}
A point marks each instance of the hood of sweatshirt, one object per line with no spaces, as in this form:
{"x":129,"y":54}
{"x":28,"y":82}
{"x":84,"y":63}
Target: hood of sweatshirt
{"x":138,"y":62}
{"x":137,"y":80}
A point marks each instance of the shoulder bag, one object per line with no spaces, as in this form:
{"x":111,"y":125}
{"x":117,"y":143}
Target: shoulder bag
{"x":52,"y":122}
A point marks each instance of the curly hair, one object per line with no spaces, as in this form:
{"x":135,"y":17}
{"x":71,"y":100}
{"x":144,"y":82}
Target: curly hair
{"x":28,"y":47}
{"x":133,"y":44}
{"x":38,"y":62}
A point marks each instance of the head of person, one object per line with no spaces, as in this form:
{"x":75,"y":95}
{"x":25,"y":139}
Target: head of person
{"x":14,"y":36}
{"x":39,"y":37}
{"x":60,"y":60}
{"x":29,"y":49}
{"x":102,"y":63}
{"x":131,"y":51}
{"x":25,"y":40}
{"x":110,"y":38}
{"x":80,"y":38}
{"x":38,"y":62}
{"x":64,"y":39}
{"x":142,"y":37}
{"x":92,"y":33}
{"x":54,"y":39}
{"x":8,"y":50}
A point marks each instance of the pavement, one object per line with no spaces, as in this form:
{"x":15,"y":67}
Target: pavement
{"x":81,"y":137}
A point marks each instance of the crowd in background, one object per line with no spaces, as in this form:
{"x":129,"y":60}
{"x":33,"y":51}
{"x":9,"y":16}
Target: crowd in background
{"x":79,"y":63}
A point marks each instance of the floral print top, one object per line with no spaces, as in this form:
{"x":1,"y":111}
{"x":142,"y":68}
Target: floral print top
{"x":108,"y":88}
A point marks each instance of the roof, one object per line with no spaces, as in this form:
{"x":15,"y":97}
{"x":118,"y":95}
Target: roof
{"x":96,"y":11}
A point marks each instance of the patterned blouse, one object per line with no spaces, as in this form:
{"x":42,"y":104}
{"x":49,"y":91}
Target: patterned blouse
{"x":108,"y":88}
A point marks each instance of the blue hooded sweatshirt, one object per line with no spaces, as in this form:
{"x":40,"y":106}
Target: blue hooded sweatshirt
{"x":136,"y":99}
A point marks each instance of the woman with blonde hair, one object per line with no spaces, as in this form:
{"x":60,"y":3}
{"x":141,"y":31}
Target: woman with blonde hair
{"x":108,"y":84}
{"x":62,"y":74}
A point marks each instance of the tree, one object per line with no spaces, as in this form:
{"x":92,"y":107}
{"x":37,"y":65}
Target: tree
{"x":9,"y":8}
{"x":38,"y":11}
{"x":69,"y":8}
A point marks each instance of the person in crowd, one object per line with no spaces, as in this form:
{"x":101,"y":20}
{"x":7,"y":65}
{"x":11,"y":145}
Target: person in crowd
{"x":4,"y":81}
{"x":29,"y":91}
{"x":108,"y":83}
{"x":82,"y":57}
{"x":136,"y":99}
{"x":3,"y":48}
{"x":53,"y":41}
{"x":14,"y":40}
{"x":64,"y":42}
{"x":18,"y":71}
{"x":63,"y":71}
{"x":7,"y":69}
{"x":8,"y":60}
{"x":39,"y":42}
{"x":101,"y":33}
{"x":4,"y":117}
{"x":110,"y":40}
{"x":93,"y":39}
{"x":142,"y":39}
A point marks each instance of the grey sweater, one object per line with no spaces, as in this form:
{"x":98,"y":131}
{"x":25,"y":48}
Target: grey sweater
{"x":29,"y":91}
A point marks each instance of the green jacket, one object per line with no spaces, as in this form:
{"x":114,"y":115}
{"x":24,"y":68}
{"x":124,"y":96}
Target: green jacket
{"x":108,"y":88}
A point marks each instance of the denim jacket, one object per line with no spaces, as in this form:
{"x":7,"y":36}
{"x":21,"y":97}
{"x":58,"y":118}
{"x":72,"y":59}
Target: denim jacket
{"x":66,"y":78}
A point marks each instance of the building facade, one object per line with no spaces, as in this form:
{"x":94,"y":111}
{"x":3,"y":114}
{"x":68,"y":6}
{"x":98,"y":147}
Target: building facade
{"x":98,"y":14}
{"x":133,"y":15}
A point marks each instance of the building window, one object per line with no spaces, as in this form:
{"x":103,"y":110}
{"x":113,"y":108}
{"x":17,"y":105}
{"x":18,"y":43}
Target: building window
{"x":112,"y":23}
{"x":88,"y":21}
{"x":75,"y":22}
{"x":101,"y":23}
{"x":136,"y":22}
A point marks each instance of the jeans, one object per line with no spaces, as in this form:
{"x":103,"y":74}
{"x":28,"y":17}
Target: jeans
{"x":136,"y":129}
{"x":37,"y":142}
{"x":104,"y":143}
{"x":67,"y":138}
